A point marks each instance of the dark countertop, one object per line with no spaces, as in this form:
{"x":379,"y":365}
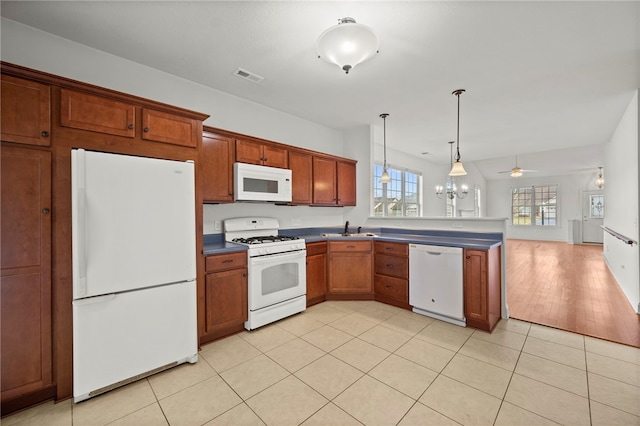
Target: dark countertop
{"x":215,"y":244}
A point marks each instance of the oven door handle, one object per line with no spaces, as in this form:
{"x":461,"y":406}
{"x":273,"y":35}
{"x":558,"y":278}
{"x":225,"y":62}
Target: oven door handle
{"x":269,"y":258}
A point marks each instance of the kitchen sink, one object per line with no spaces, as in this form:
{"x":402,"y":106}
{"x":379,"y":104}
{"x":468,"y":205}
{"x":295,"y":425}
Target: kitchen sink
{"x":350,"y":234}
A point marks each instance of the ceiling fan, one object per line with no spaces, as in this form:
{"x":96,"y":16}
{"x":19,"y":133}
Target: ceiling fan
{"x":517,"y":171}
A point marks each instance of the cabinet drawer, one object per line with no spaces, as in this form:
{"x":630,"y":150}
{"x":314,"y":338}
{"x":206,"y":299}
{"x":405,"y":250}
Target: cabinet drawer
{"x":394,"y":266}
{"x":316,"y":248}
{"x":221,"y":262}
{"x":398,"y":249}
{"x":395,"y":288}
{"x":350,"y":246}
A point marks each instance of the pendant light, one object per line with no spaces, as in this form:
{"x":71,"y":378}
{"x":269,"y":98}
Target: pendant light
{"x":347,"y":44}
{"x":457,"y":169}
{"x":450,"y":189}
{"x":600,"y":180}
{"x":385,"y":178}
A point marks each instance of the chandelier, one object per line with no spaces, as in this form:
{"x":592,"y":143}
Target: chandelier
{"x":600,"y":180}
{"x":450,"y":189}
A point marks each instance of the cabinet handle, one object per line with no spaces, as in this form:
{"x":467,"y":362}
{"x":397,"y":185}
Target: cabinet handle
{"x":45,"y":211}
{"x":146,"y":129}
{"x":468,"y":257}
{"x":227,"y":261}
{"x":351,"y":246}
{"x":130,"y":127}
{"x":389,"y":248}
{"x":388,"y":286}
{"x":45,"y":134}
{"x":389,"y":265}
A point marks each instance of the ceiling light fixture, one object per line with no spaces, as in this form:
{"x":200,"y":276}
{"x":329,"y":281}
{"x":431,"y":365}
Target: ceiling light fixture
{"x":516,"y":171}
{"x":347,"y":44}
{"x":385,"y":178}
{"x":457,"y":169}
{"x":450,"y":188}
{"x":600,"y":180}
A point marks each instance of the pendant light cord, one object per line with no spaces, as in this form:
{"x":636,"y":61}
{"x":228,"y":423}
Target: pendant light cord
{"x":384,"y":126}
{"x":458,"y":93}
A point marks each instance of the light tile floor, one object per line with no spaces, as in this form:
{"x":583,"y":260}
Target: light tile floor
{"x":351,"y":363}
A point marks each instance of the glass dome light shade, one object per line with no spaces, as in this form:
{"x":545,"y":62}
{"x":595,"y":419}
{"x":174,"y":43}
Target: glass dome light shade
{"x":385,"y":178}
{"x":347,"y":44}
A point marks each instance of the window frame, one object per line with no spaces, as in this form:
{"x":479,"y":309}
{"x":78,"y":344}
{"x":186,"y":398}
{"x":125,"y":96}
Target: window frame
{"x":377,"y":186}
{"x":532,"y":206}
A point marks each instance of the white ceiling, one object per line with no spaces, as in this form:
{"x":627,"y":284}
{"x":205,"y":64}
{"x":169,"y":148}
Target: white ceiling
{"x":547,"y":81}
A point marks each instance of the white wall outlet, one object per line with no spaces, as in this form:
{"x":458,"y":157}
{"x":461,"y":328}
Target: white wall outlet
{"x":296,"y":222}
{"x":217,"y":225}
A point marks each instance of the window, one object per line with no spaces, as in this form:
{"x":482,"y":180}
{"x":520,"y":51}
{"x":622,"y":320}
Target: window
{"x":596,"y":207}
{"x":534,"y":205}
{"x":400,"y":197}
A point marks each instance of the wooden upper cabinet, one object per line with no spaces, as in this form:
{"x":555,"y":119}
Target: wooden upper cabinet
{"x":174,"y":129}
{"x":25,"y":111}
{"x":301,"y":166}
{"x":324,"y":181}
{"x":83,"y":111}
{"x":334,"y":182}
{"x":217,"y":168}
{"x":346,"y":185}
{"x":261,"y":154}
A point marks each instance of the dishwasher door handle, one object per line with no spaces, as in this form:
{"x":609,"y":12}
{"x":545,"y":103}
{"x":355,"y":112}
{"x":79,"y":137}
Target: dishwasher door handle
{"x":434,"y":253}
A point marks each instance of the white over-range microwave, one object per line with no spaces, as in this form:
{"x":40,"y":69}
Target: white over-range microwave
{"x":261,"y":183}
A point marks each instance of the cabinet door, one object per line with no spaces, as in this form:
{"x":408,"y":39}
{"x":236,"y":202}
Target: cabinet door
{"x":346,"y":184}
{"x":475,"y":286}
{"x":301,"y":165}
{"x":350,"y":273}
{"x":316,"y":278}
{"x":275,"y":157}
{"x":217,"y":168}
{"x":25,"y":111}
{"x":226,"y":299}
{"x":163,"y":127}
{"x":324,"y":181}
{"x":25,"y":283}
{"x":97,"y":114}
{"x":248,"y":152}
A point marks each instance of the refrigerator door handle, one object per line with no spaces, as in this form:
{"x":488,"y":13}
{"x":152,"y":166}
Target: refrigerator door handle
{"x":79,"y":224}
{"x":93,"y":300}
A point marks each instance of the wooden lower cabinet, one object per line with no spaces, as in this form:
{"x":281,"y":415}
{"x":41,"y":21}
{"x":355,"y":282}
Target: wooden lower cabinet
{"x":25,"y":278}
{"x":226,"y":305}
{"x":316,"y":272}
{"x":350,"y":270}
{"x":482,"y":288}
{"x":391,"y":280}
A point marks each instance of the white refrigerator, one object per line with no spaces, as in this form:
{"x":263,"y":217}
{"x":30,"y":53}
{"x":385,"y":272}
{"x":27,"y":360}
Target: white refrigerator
{"x":134,"y":268}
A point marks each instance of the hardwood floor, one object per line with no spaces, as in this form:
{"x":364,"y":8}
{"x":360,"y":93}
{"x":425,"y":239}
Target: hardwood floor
{"x":568,"y":287}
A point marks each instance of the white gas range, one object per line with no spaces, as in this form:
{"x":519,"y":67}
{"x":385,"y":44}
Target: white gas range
{"x":277,"y":281}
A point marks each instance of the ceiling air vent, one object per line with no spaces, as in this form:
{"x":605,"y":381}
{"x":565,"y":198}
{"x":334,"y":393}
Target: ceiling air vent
{"x":248,"y":75}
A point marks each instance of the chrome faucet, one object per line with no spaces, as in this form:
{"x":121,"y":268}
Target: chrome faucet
{"x":346,"y":227}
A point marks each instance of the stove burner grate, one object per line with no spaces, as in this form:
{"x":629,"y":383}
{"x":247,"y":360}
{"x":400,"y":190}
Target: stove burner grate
{"x":264,"y":239}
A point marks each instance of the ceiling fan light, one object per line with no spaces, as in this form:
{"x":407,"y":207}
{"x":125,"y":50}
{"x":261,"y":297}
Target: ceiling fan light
{"x":516,"y":172}
{"x":457,"y":169}
{"x":347,"y":44}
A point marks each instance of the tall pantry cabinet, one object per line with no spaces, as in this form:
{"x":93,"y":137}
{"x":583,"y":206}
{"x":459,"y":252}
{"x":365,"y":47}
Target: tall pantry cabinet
{"x":25,"y":274}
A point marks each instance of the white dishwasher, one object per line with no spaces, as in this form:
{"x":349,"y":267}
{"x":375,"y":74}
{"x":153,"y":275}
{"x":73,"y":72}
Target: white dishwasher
{"x":436,"y":283}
